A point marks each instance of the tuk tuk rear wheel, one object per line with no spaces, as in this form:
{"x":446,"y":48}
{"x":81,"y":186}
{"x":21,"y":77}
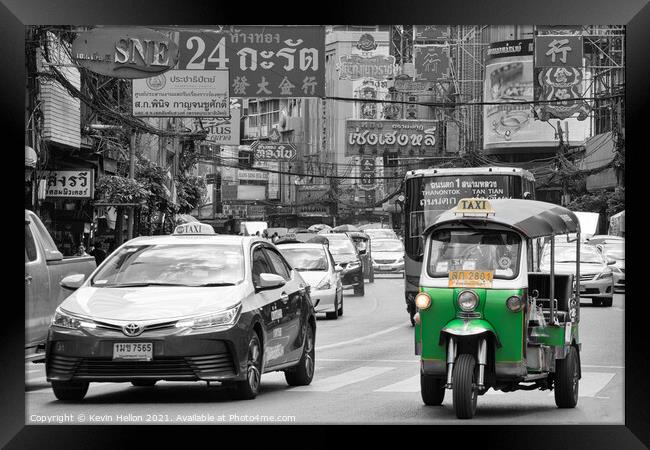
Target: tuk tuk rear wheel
{"x":432,"y":390}
{"x":567,"y":373}
{"x":465,"y":392}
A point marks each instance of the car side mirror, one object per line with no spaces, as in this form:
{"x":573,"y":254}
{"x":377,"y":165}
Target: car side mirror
{"x":53,"y":255}
{"x":270,"y":281}
{"x":338,"y":269}
{"x":73,"y":282}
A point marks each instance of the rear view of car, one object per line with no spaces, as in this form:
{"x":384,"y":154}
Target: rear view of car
{"x":388,"y":256}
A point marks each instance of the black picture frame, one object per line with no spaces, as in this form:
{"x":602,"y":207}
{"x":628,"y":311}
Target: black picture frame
{"x":15,"y":14}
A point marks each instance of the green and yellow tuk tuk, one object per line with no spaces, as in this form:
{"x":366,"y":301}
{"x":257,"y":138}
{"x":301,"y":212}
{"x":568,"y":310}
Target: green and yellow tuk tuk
{"x":485,"y":316}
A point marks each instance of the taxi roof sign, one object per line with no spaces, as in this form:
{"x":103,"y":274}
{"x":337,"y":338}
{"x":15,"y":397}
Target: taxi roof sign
{"x":472,"y":206}
{"x":193,"y":228}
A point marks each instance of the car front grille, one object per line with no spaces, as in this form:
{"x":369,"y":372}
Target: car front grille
{"x":384,"y":261}
{"x":587,"y":277}
{"x":192,"y":367}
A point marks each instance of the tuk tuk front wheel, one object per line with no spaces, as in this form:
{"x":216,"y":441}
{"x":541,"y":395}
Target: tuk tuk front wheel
{"x":465,"y":392}
{"x":432,"y":390}
{"x":567,"y":373}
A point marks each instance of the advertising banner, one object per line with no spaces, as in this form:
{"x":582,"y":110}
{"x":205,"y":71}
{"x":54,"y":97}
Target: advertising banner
{"x":565,"y":84}
{"x":354,"y":67}
{"x":70,"y":183}
{"x":431,"y":62}
{"x":273,"y":151}
{"x":408,"y":85}
{"x":182,"y":93}
{"x":264,"y":61}
{"x":313,"y":193}
{"x":431,"y":32}
{"x":400,"y":136}
{"x":509,"y":80}
{"x":221,"y":131}
{"x":251,"y":192}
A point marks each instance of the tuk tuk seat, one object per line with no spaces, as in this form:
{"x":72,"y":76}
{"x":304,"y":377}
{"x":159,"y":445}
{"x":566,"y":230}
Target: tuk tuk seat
{"x":563,"y":291}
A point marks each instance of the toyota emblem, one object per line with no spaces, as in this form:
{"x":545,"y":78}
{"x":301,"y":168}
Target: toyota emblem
{"x":132,"y":329}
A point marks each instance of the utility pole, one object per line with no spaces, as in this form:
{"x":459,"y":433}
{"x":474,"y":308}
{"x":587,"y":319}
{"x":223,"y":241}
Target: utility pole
{"x":132,"y":177}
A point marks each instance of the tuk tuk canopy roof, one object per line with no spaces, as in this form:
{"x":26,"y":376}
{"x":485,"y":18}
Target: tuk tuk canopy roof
{"x":529,"y":217}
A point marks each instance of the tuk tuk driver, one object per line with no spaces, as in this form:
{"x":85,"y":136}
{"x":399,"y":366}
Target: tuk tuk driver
{"x":491,"y":254}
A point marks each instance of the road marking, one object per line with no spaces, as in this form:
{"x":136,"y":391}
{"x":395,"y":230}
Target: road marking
{"x":338,"y":381}
{"x":602,"y":367}
{"x":372,"y":360}
{"x":409,"y":385}
{"x":339,"y":344}
{"x":592,"y":383}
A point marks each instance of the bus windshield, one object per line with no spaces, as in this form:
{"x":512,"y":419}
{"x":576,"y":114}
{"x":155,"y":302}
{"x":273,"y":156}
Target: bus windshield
{"x":485,"y":250}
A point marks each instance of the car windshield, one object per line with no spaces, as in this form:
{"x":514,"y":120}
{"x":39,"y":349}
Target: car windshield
{"x":378,"y":234}
{"x":387,"y":246}
{"x":173,"y":265}
{"x":341,"y":246}
{"x":485,"y":250}
{"x":567,"y":254}
{"x":306,"y":258}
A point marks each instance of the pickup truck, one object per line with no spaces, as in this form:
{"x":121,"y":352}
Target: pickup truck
{"x":45,"y":267}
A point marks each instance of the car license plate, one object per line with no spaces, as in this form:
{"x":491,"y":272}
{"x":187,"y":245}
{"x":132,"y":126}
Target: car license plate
{"x":470,"y":278}
{"x":384,"y":267}
{"x":134,"y":351}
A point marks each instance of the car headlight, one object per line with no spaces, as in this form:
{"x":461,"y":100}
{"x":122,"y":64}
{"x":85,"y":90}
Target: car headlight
{"x":353,"y":265}
{"x":604,"y":275}
{"x":400,"y":259}
{"x":324,"y":284}
{"x":224,"y":318}
{"x":467,"y":300}
{"x":66,"y":320}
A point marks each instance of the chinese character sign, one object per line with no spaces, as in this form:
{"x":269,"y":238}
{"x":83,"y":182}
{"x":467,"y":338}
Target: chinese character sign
{"x":264,"y":61}
{"x":558,"y":51}
{"x":431,"y":62}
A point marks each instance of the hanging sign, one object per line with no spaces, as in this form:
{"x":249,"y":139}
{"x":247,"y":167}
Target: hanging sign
{"x":273,"y":151}
{"x":432,"y":62}
{"x":70,"y":183}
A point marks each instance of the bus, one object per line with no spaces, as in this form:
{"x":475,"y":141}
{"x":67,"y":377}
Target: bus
{"x":429,"y":192}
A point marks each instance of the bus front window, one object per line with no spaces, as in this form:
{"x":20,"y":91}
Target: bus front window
{"x":485,"y":250}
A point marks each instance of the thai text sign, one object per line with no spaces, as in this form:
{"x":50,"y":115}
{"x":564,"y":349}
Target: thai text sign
{"x":223,"y":131}
{"x":382,"y":135}
{"x":273,"y":151}
{"x":354,"y":67}
{"x":431,"y":62}
{"x":70,"y":183}
{"x":367,"y":172}
{"x":182,"y":93}
{"x":407,"y":85}
{"x":554,"y":51}
{"x":122,"y":52}
{"x":431,"y":32}
{"x":264,"y":61}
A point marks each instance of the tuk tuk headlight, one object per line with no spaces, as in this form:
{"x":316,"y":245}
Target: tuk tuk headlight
{"x":422,"y":300}
{"x":514,"y":303}
{"x":467,"y":300}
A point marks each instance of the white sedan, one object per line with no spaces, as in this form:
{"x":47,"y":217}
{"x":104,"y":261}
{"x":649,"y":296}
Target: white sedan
{"x":316,"y":266}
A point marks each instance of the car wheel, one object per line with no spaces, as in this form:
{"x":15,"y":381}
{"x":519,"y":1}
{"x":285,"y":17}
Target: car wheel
{"x":247,"y":389}
{"x":143,"y":383}
{"x":432,"y":390}
{"x":465,"y":393}
{"x":567,"y":382}
{"x":360,"y":290}
{"x":70,"y":390}
{"x":302,"y":374}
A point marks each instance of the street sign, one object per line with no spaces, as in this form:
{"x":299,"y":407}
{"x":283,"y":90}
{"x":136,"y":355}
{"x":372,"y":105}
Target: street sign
{"x":367,"y":172}
{"x":273,"y":151}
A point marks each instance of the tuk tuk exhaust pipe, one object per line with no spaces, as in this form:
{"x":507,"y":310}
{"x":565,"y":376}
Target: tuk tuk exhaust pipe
{"x":482,"y":360}
{"x":451,"y":356}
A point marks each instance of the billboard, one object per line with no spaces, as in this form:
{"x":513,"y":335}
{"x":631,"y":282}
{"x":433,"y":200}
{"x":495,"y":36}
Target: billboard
{"x":399,"y":136}
{"x":182,"y":93}
{"x":264,"y":61}
{"x":221,"y":130}
{"x":508,"y":81}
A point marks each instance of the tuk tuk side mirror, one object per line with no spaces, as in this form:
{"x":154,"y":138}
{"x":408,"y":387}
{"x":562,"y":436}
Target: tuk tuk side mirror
{"x":73,"y":282}
{"x":534,"y":293}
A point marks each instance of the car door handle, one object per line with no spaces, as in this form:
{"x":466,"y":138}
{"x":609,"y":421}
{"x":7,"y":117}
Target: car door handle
{"x":28,"y":279}
{"x":284,"y":297}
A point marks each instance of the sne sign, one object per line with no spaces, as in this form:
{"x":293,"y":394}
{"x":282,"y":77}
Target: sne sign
{"x":123,"y":52}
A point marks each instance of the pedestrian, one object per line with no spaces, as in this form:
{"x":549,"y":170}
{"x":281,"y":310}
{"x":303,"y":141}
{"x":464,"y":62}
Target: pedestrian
{"x":98,"y":252}
{"x":81,"y":251}
{"x":275,"y":237}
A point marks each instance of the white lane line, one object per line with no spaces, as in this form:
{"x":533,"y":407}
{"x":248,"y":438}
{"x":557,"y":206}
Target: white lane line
{"x":603,"y":367}
{"x":409,"y":385}
{"x":592,"y":383}
{"x":417,"y":361}
{"x":338,"y":381}
{"x":340,"y":344}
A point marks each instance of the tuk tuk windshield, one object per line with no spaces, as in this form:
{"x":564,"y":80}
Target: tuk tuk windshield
{"x":485,"y":250}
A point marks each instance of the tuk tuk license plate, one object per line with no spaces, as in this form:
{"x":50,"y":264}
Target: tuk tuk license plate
{"x":471,"y":278}
{"x":133,"y":351}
